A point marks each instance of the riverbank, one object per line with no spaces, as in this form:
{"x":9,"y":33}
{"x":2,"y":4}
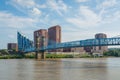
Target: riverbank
{"x":16,"y":56}
{"x":48,"y":56}
{"x":68,"y":56}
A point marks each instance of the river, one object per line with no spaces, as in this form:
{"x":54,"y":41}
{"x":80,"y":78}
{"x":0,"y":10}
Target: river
{"x":60,"y":69}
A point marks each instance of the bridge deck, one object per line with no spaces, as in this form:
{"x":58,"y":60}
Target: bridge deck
{"x":81,"y":43}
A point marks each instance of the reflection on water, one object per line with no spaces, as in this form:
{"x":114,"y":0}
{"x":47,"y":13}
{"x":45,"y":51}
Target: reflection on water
{"x":63,"y":69}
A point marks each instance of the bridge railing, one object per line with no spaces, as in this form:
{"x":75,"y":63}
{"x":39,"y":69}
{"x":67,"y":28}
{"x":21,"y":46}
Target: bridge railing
{"x":81,"y":43}
{"x":26,"y":45}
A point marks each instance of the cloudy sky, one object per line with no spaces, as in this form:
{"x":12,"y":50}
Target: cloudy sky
{"x":79,"y":19}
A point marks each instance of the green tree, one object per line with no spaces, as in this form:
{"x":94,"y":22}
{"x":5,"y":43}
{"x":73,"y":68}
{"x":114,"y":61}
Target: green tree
{"x":4,"y":52}
{"x":112,"y":52}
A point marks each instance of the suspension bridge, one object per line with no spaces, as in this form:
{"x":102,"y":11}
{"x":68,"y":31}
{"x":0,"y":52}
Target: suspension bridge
{"x":26,"y":45}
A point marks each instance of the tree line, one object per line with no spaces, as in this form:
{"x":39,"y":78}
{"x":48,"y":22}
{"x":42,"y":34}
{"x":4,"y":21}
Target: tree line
{"x":112,"y":52}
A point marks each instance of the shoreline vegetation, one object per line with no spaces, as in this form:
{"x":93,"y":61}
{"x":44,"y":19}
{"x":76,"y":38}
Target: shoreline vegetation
{"x":49,"y":56}
{"x":14,"y":55}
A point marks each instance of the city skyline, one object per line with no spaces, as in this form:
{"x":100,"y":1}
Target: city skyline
{"x":81,"y":19}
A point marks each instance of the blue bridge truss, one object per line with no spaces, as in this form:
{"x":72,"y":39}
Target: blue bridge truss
{"x":26,"y":45}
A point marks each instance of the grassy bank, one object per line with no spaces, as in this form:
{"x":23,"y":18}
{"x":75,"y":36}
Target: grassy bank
{"x":11,"y":57}
{"x":32,"y":56}
{"x":59,"y":56}
{"x":68,"y":56}
{"x":16,"y":56}
{"x":83,"y":56}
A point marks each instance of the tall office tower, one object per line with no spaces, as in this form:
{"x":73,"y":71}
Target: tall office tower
{"x":100,"y":49}
{"x":39,"y":36}
{"x":54,"y":35}
{"x":12,"y":46}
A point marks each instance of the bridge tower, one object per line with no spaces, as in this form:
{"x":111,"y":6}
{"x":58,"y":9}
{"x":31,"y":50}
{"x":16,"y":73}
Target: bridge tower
{"x":40,"y":54}
{"x":40,"y":41}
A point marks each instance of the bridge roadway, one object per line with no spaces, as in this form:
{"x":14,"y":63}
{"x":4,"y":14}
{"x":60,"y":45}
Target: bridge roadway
{"x":80,"y":43}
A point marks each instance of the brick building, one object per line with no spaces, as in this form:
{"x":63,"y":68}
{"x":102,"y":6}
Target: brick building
{"x":100,"y":49}
{"x":54,"y":36}
{"x":12,"y":46}
{"x":97,"y":49}
{"x":39,"y":36}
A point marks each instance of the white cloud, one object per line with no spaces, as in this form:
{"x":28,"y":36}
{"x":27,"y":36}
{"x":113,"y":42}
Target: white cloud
{"x":108,"y":3}
{"x":89,"y":15}
{"x":113,"y":17}
{"x":58,"y":5}
{"x":107,"y":7}
{"x":9,"y":20}
{"x":109,"y":10}
{"x":81,"y":1}
{"x":104,"y":12}
{"x":36,"y":11}
{"x":42,"y":6}
{"x":25,"y":3}
{"x":85,"y":18}
{"x":29,"y":7}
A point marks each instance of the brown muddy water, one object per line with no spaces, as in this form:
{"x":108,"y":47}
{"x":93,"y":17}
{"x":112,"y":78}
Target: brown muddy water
{"x":61,"y":69}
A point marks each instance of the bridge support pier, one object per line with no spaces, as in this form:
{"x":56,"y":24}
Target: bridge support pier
{"x":40,"y":55}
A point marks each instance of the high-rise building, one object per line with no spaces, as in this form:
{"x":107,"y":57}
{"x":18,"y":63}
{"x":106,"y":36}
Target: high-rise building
{"x":100,"y":35}
{"x":12,"y":46}
{"x":100,"y":49}
{"x":54,"y":35}
{"x":39,"y":36}
{"x":97,"y":49}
